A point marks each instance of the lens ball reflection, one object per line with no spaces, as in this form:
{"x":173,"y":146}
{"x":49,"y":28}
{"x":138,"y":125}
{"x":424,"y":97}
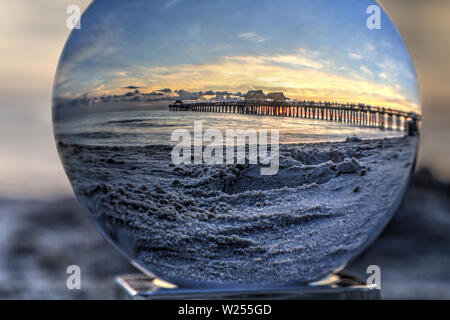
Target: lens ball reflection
{"x":237,"y":142}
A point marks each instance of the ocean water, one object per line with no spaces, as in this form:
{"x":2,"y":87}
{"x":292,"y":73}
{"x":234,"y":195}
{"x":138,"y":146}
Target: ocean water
{"x":136,"y":128}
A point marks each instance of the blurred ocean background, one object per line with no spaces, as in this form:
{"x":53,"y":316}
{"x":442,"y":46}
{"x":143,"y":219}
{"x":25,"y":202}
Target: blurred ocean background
{"x":43,"y":230}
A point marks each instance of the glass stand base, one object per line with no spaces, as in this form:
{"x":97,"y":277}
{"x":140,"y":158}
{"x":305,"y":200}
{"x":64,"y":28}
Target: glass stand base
{"x":334,"y":287}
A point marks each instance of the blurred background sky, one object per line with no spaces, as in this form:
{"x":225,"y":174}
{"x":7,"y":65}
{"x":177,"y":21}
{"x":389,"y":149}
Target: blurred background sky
{"x":33,"y":33}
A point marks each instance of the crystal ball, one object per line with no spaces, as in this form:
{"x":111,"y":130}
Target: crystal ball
{"x":237,"y":143}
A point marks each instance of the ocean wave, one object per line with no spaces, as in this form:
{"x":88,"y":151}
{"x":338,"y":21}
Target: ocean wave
{"x":97,"y":135}
{"x":138,"y":123}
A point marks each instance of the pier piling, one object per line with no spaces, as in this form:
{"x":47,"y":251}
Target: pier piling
{"x":359,"y":115}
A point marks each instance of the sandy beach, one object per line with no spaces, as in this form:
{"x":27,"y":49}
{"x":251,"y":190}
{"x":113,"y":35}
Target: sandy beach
{"x":220,"y":225}
{"x":42,"y":237}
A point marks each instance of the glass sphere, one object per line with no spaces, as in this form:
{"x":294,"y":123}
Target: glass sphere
{"x":237,"y":143}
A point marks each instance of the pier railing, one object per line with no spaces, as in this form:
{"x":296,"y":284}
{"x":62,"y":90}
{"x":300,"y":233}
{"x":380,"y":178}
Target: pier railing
{"x":353,"y":114}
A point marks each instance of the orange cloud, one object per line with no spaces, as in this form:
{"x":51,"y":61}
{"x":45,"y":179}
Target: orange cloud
{"x":299,"y":77}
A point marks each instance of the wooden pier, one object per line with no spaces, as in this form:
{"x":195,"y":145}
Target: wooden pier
{"x":352,"y":114}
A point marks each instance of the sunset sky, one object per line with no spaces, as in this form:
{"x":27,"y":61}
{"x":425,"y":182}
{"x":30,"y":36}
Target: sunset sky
{"x":33,"y":33}
{"x":319,"y":50}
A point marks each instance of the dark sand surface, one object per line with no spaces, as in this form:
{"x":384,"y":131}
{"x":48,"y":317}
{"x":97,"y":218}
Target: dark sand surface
{"x":39,"y":239}
{"x":228,"y":225}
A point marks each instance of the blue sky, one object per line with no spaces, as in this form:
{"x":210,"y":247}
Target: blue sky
{"x":317,"y":49}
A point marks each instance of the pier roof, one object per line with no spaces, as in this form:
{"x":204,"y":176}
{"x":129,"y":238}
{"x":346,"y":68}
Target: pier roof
{"x":255,"y":95}
{"x":276,"y":96}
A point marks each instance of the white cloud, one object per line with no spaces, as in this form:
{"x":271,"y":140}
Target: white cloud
{"x":170,"y":3}
{"x":355,"y":56}
{"x":366,"y":70}
{"x":302,"y":58}
{"x":295,"y":61}
{"x":370,"y":47}
{"x":252,"y":36}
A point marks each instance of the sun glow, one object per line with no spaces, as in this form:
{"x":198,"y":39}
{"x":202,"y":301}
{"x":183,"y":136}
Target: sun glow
{"x":298,"y":77}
